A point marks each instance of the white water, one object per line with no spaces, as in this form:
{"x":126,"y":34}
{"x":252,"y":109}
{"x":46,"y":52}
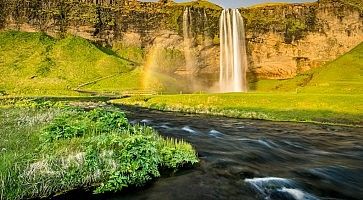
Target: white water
{"x":233,"y":55}
{"x":207,"y":41}
{"x":268,"y":185}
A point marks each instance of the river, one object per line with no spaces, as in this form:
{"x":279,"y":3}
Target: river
{"x":253,"y":159}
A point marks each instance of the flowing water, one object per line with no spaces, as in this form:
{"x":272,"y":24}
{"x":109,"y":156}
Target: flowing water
{"x":188,"y":40}
{"x":233,"y":55}
{"x":251,"y":159}
{"x":247,"y":159}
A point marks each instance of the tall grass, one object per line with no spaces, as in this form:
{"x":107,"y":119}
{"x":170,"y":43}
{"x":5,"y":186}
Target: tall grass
{"x":48,"y":150}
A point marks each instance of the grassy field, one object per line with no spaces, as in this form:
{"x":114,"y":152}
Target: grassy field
{"x":334,"y":109}
{"x":48,"y":148}
{"x":329,"y":94}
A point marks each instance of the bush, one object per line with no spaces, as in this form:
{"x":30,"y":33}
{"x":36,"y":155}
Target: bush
{"x":76,"y":124}
{"x":97,"y":150}
{"x":108,"y":119}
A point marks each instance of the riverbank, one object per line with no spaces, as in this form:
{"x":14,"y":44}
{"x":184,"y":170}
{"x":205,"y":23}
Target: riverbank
{"x":48,"y":148}
{"x":337,"y":109}
{"x":256,"y":159}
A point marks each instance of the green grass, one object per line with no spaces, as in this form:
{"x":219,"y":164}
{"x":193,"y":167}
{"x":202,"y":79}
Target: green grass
{"x":261,"y":5}
{"x":37,"y":64}
{"x":137,"y":81}
{"x":131,"y":81}
{"x":200,"y":4}
{"x":341,"y":76}
{"x":334,"y":109}
{"x":48,"y":148}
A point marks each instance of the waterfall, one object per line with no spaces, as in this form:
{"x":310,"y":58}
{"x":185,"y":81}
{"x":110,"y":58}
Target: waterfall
{"x":233,"y":55}
{"x":188,"y":39}
{"x":205,"y":29}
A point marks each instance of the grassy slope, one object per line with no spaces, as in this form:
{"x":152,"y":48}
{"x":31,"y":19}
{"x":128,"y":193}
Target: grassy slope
{"x":38,"y":64}
{"x":341,"y":76}
{"x":344,"y":75}
{"x":137,"y":81}
{"x":330,"y":94}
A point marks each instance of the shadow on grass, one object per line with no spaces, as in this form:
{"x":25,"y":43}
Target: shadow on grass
{"x":110,"y":52}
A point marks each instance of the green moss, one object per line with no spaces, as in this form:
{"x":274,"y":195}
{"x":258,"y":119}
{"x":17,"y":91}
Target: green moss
{"x":200,"y":4}
{"x":294,"y":30}
{"x":355,"y":3}
{"x":174,"y":22}
{"x":282,"y":18}
{"x":168,"y":60}
{"x":262,"y":5}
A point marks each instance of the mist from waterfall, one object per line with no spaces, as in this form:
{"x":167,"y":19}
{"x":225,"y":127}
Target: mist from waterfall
{"x":233,"y":55}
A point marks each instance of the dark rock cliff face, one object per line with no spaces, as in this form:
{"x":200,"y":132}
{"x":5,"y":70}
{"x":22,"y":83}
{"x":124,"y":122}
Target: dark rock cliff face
{"x":283,"y":39}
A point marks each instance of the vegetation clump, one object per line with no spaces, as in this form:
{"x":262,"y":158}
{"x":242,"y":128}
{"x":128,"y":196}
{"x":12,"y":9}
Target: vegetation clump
{"x":77,"y":149}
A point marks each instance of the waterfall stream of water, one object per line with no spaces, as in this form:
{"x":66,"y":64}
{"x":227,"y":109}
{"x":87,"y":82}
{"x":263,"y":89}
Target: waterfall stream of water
{"x":233,"y":55}
{"x":188,"y":39}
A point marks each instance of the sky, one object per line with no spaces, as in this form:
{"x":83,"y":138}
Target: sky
{"x":244,"y":3}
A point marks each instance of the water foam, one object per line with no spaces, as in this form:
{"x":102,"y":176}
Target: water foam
{"x":215,"y":133}
{"x":145,"y":121}
{"x":188,"y":129}
{"x":298,"y":194}
{"x":276,"y":188}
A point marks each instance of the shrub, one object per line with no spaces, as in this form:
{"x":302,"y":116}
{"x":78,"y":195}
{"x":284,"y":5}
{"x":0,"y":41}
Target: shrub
{"x":96,"y":150}
{"x":76,"y":124}
{"x":108,"y":119}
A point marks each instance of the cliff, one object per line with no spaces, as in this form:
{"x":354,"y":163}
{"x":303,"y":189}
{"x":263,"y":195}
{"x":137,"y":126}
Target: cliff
{"x":283,"y":39}
{"x":292,"y":38}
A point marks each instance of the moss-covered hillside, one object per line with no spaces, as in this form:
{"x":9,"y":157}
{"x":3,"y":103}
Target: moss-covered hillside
{"x":35,"y":63}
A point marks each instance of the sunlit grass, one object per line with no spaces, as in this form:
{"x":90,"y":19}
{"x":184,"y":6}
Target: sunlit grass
{"x":338,"y":109}
{"x":37,"y":64}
